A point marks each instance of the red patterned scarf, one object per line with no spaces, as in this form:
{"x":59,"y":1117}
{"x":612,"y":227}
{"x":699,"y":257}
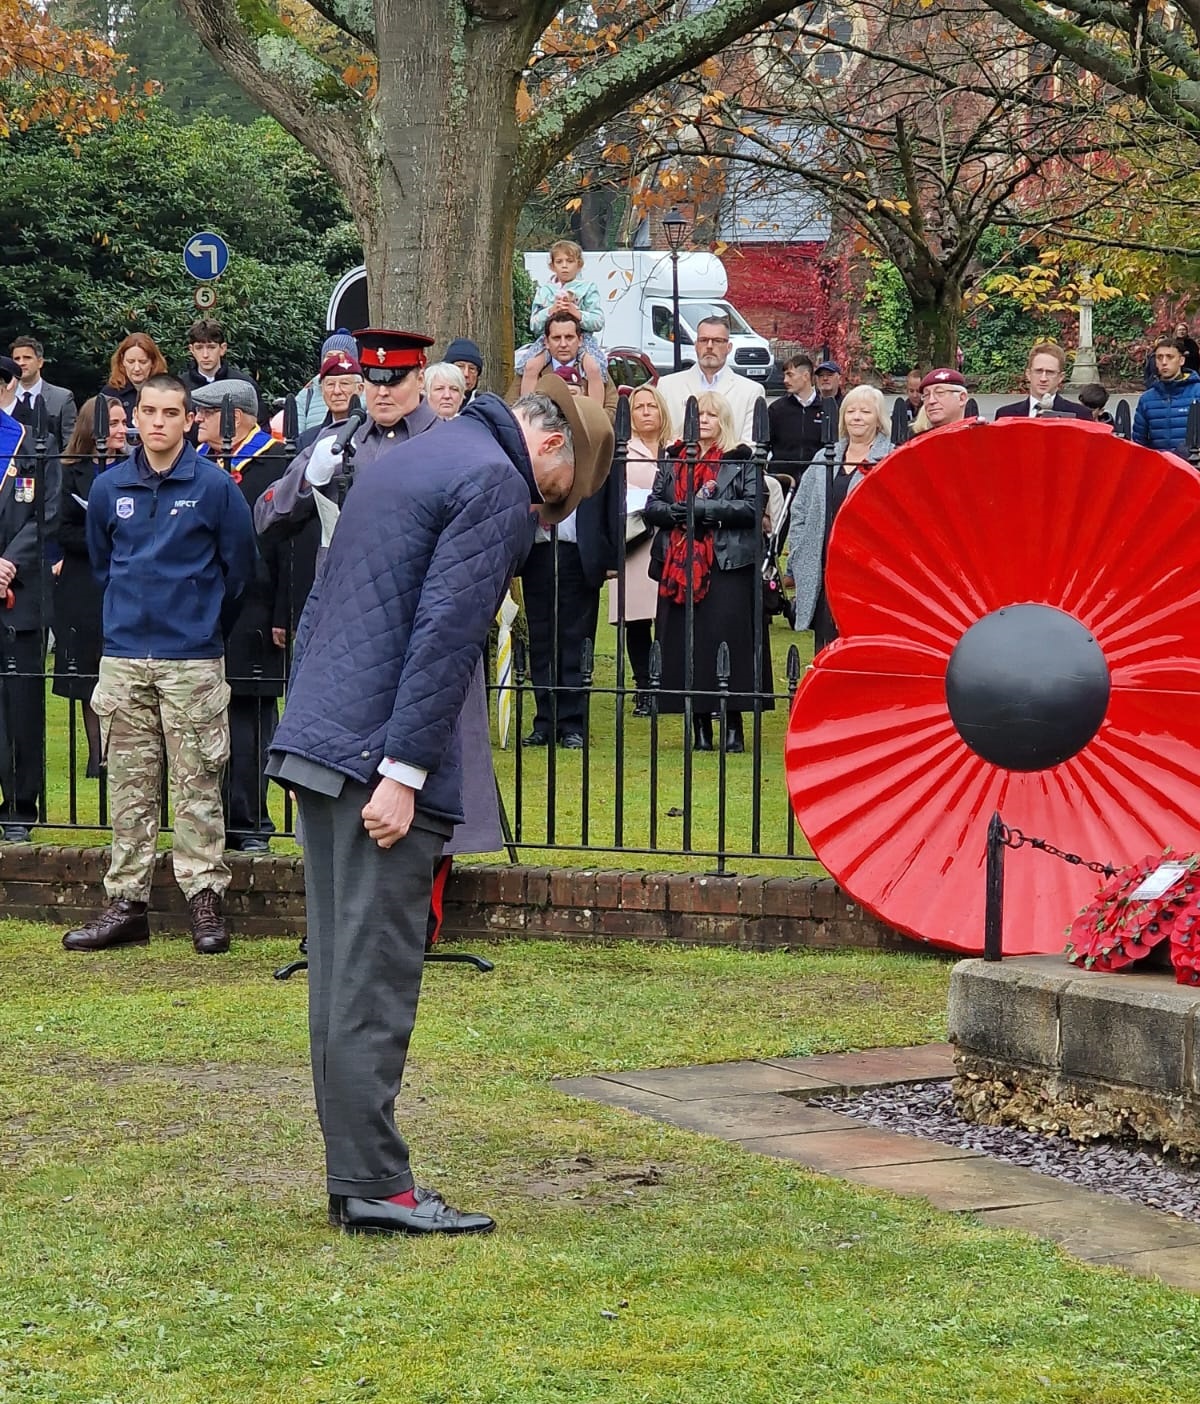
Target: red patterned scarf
{"x":673,"y":585}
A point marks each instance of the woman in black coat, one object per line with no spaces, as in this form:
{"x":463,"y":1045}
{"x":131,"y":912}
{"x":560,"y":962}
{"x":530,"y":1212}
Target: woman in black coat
{"x":78,"y":630}
{"x":724,"y":481}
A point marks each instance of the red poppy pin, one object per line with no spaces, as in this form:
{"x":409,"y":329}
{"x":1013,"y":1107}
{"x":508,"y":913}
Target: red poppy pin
{"x":1019,"y":607}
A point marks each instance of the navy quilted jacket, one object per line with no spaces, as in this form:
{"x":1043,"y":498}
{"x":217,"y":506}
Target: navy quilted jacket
{"x":428,"y":540}
{"x":1160,"y":420}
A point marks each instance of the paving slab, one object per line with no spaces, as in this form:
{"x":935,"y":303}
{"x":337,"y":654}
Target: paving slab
{"x":758,"y":1114}
{"x":710,"y":1080}
{"x":962,"y":1185}
{"x":1098,"y":1226}
{"x":616,"y":1094}
{"x":760,"y":1105}
{"x":1176,"y":1267}
{"x":831,"y":1152}
{"x":875,"y":1067}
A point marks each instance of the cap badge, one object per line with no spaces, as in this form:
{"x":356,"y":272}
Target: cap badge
{"x":381,"y":353}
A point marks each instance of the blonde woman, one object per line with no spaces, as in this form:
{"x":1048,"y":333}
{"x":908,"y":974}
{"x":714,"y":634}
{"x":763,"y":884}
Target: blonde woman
{"x":863,"y":439}
{"x":651,"y":421}
{"x":724,"y":484}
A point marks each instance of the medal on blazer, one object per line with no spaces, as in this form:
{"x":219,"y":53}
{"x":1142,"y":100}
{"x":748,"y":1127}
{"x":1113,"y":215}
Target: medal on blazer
{"x":12,"y":436}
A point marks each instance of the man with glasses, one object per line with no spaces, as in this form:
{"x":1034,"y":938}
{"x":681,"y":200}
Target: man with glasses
{"x":339,"y":380}
{"x":713,"y":345}
{"x":393,"y":367}
{"x":943,"y":397}
{"x":1044,"y":372}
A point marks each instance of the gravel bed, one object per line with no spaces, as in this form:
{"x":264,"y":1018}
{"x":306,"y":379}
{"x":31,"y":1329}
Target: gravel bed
{"x":926,"y":1109}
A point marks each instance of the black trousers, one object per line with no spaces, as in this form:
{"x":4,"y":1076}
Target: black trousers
{"x":555,"y":654}
{"x":252,"y":723}
{"x":22,"y":723}
{"x":639,"y":636}
{"x":368,"y":916}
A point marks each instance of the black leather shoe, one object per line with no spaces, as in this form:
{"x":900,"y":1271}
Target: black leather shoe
{"x":702,"y":739}
{"x":209,"y":933}
{"x":535,"y":738}
{"x":572,"y":741}
{"x":121,"y":923}
{"x":255,"y":844}
{"x":15,"y":833}
{"x":432,"y":1215}
{"x":335,"y":1210}
{"x":641,"y":705}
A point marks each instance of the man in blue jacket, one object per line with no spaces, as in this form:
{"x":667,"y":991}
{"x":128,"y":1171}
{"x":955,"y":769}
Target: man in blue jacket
{"x":1161,"y":418}
{"x":428,"y":539}
{"x":172,"y":544}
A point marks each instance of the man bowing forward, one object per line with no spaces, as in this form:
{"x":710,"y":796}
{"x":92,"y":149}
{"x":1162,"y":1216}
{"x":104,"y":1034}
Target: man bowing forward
{"x":384,"y":654}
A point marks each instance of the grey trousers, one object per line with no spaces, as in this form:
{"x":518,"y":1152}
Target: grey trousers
{"x":368,"y":910}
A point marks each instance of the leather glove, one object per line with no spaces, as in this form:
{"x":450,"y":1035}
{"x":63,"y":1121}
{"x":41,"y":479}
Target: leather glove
{"x":679,"y":514}
{"x":323,"y":463}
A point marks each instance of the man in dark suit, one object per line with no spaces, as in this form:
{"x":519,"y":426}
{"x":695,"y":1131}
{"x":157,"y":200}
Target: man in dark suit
{"x":1044,"y":373}
{"x":24,"y":610}
{"x":29,"y":355}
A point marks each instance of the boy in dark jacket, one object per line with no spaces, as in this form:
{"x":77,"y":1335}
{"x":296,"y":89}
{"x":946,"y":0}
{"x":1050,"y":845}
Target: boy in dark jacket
{"x":171,"y":542}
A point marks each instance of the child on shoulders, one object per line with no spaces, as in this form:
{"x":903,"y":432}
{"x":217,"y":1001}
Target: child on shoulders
{"x":564,"y":291}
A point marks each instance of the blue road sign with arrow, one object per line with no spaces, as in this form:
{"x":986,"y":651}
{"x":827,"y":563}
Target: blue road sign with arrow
{"x":206,"y":255}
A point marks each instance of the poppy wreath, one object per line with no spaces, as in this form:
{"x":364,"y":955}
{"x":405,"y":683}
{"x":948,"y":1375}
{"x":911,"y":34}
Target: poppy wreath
{"x":1019,"y":609}
{"x":1115,"y":930}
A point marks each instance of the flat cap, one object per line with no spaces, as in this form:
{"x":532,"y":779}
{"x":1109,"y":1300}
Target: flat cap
{"x":241,"y":392}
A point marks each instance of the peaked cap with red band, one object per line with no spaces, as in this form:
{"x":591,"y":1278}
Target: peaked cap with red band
{"x":394,"y":350}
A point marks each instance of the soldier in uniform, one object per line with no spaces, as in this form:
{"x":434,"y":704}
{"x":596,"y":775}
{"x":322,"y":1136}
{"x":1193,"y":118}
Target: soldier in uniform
{"x":393,"y":366}
{"x":254,"y":661}
{"x":172,"y":544}
{"x":24,"y":611}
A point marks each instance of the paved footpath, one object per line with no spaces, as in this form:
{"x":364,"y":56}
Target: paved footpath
{"x":761,"y":1106}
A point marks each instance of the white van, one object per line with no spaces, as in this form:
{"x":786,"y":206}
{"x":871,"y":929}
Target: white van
{"x":635,"y":293}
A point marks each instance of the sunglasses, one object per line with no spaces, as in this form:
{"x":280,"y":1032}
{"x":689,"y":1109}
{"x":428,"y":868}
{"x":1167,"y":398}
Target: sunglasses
{"x":387,"y":375}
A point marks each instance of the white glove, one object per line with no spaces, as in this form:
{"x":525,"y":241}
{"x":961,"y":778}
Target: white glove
{"x":323,"y":463}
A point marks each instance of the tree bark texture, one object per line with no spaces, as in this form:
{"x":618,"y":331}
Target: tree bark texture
{"x":438,"y":230}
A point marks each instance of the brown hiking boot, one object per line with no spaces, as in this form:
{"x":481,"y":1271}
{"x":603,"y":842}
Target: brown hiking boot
{"x":209,"y":936}
{"x":121,"y":923}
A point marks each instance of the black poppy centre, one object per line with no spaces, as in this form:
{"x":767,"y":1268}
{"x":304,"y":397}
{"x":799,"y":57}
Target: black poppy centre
{"x":1027,"y":687}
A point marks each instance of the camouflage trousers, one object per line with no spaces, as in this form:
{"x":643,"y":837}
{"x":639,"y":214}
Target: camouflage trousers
{"x":146,"y":705}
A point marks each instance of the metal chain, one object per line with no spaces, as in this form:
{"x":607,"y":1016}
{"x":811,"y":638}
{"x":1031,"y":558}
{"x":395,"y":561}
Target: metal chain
{"x":1014,"y":838}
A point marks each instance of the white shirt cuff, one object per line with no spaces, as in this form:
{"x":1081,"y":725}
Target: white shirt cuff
{"x":411,"y":775}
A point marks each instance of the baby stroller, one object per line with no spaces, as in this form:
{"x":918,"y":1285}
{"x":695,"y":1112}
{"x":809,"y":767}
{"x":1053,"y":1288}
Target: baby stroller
{"x":781,"y":489}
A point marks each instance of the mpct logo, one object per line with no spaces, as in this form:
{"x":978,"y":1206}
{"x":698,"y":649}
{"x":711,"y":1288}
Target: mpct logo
{"x":124,"y":508}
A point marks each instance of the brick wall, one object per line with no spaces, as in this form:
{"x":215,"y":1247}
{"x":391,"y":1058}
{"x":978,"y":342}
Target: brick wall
{"x":65,"y":885}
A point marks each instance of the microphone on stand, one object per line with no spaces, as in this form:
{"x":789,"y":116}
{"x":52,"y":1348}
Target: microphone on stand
{"x":354,"y":421}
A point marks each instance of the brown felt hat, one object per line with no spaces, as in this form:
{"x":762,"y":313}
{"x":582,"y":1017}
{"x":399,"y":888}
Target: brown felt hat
{"x":592,"y":435}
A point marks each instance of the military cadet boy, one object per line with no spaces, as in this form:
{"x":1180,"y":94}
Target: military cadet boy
{"x":172,"y":544}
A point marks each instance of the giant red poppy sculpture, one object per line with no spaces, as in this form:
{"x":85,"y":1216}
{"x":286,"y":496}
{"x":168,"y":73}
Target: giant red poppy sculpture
{"x":1019,"y":608}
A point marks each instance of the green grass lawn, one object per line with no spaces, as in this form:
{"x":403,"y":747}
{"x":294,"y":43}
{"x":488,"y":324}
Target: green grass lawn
{"x":586,"y":824}
{"x":164,"y":1238}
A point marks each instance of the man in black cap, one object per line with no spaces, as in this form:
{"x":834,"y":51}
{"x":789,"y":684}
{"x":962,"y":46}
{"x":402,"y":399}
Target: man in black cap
{"x":463,"y":353}
{"x":393,"y":365}
{"x":26,"y":485}
{"x":254,"y":654}
{"x":828,"y":376}
{"x":428,"y":539}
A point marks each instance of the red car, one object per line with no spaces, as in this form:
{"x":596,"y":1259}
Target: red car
{"x":630,"y":369}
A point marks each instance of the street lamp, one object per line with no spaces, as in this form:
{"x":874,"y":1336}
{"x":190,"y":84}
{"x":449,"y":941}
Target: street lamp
{"x":675,"y":227}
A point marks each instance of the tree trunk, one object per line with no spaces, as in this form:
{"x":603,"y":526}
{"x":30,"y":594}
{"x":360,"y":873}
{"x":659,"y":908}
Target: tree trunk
{"x":439,"y":225}
{"x":937,"y":310}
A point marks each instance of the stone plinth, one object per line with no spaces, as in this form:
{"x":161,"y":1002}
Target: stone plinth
{"x":1044,"y":1045}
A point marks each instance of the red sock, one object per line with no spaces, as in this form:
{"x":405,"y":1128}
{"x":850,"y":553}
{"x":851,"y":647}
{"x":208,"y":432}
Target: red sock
{"x":407,"y":1198}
